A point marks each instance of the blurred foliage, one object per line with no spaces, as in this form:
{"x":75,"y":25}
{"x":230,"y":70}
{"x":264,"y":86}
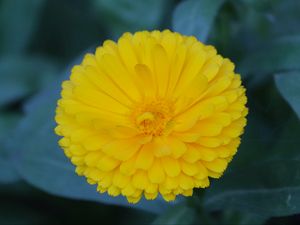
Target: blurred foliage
{"x":187,"y":12}
{"x":121,"y":16}
{"x":289,"y":86}
{"x":41,"y":39}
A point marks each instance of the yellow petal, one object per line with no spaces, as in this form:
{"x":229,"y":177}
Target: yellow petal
{"x":176,"y":68}
{"x":107,"y":163}
{"x":146,"y":78}
{"x":189,"y":169}
{"x":161,"y":68}
{"x":134,"y":200}
{"x":190,"y":71}
{"x":211,"y":67}
{"x":187,"y":119}
{"x":77,"y":160}
{"x":110,"y":47}
{"x":218,"y":165}
{"x":202,"y":183}
{"x":99,"y":100}
{"x":120,"y":180}
{"x":122,"y":149}
{"x":94,"y":143}
{"x":169,"y":197}
{"x":160,"y":147}
{"x":221,"y":118}
{"x":81,"y":134}
{"x":151,"y":188}
{"x":196,"y":87}
{"x":145,"y":157}
{"x":206,"y":128}
{"x":64,"y":142}
{"x":106,"y":180}
{"x":127,"y":52}
{"x":223,"y":152}
{"x":192,"y":154}
{"x":80,"y":170}
{"x":163,"y":190}
{"x":92,"y":158}
{"x":187,"y":193}
{"x":140,"y":179}
{"x":77,"y":150}
{"x":202,"y":173}
{"x":128,"y":167}
{"x":150,"y":196}
{"x":185,"y":182}
{"x":187,"y":137}
{"x":171,"y":182}
{"x":123,"y":132}
{"x":113,"y":191}
{"x":218,"y":86}
{"x":177,"y":147}
{"x":210,"y":142}
{"x":168,"y":42}
{"x":214,"y":174}
{"x":93,"y":174}
{"x":114,"y":68}
{"x":128,"y":190}
{"x":156,"y":173}
{"x":171,"y":166}
{"x":105,"y":84}
{"x":207,"y":154}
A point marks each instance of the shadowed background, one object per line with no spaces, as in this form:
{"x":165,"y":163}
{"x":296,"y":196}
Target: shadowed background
{"x":40,"y":40}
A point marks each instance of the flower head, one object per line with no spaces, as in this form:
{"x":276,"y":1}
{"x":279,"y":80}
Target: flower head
{"x":155,"y":113}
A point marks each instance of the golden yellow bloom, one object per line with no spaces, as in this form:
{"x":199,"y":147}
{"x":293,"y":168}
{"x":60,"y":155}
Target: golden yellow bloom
{"x":155,"y":113}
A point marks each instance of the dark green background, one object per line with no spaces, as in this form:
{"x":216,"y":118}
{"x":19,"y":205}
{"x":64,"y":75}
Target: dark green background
{"x":40,"y":40}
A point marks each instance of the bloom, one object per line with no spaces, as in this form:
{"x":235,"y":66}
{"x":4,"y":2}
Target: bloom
{"x":156,"y":112}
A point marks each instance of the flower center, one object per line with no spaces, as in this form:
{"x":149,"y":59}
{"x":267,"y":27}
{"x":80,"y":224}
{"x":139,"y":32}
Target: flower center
{"x":153,"y":118}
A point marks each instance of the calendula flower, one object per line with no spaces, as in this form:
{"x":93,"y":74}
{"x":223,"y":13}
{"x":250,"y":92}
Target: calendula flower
{"x":154,"y":113}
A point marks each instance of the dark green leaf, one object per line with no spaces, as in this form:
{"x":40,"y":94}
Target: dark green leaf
{"x":238,"y":218}
{"x":278,"y":55}
{"x":268,"y":185}
{"x":14,"y":213}
{"x":128,"y":16}
{"x":22,"y":76}
{"x":194,"y":17}
{"x":282,"y":17}
{"x":18,"y":20}
{"x":66,"y":29}
{"x":180,"y":214}
{"x":289,"y":86}
{"x":8,"y":122}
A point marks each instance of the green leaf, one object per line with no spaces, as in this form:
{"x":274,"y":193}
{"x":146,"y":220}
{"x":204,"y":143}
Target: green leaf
{"x":238,"y":218}
{"x":8,"y":122}
{"x":194,"y":17}
{"x":121,"y":16}
{"x":18,"y":213}
{"x":18,"y":21}
{"x":268,"y":184}
{"x":41,"y":162}
{"x":279,"y":55}
{"x":282,"y":17}
{"x":289,"y":86}
{"x":66,"y":29}
{"x":246,"y":28}
{"x":22,"y":76}
{"x":180,"y":214}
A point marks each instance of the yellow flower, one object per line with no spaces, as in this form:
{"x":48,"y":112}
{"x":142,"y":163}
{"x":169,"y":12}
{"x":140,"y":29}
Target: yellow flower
{"x":155,"y":113}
